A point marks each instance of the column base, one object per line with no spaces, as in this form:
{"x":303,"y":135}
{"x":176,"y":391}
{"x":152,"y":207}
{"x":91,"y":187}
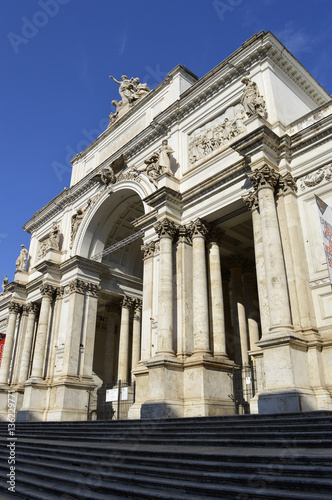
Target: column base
{"x":291,"y":401}
{"x":34,"y":401}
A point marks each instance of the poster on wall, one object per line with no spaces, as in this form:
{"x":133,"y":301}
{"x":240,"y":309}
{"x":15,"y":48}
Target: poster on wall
{"x":325,"y":217}
{"x":2,"y":343}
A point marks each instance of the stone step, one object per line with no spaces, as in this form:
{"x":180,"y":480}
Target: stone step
{"x":143,"y":486}
{"x":178,"y":468}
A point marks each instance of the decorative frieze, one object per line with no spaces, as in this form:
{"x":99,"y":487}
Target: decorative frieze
{"x":316,"y":177}
{"x":217,"y":133}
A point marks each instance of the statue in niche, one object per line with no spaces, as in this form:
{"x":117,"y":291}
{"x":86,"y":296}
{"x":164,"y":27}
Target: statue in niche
{"x":75,"y":223}
{"x":5,"y":282}
{"x":252,"y":101}
{"x":54,"y":237}
{"x":164,"y":161}
{"x":22,"y":259}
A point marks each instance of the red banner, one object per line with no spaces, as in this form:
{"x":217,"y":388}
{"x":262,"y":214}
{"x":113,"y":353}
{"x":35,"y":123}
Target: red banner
{"x":2,"y":343}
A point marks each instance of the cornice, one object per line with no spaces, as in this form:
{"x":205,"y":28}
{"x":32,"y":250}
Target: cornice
{"x":314,"y":135}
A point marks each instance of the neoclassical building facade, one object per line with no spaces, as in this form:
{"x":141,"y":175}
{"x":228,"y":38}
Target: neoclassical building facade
{"x":187,"y":243}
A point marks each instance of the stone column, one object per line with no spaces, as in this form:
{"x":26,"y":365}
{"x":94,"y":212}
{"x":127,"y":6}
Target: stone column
{"x":32,"y":310}
{"x":217,"y":303}
{"x":239,"y":313}
{"x":37,"y":371}
{"x":88,"y":341}
{"x":14,"y":310}
{"x":226,"y":276}
{"x":251,"y":305}
{"x":75,"y":328}
{"x":166,"y":232}
{"x":251,"y":201}
{"x":110,"y":358}
{"x":199,"y":231}
{"x":296,"y":266}
{"x":123,"y":363}
{"x":264,"y":180}
{"x":148,"y":256}
{"x":136,"y":348}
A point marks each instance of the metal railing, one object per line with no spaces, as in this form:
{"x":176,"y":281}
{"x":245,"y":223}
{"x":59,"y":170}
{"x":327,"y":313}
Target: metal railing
{"x":110,"y":401}
{"x":244,"y":387}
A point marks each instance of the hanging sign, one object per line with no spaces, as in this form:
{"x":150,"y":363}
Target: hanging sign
{"x":325,"y":217}
{"x":112,"y":395}
{"x":124,"y":393}
{"x":2,"y":343}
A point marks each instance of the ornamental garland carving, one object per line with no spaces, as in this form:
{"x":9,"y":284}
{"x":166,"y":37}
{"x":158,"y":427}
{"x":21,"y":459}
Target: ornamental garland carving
{"x":315,"y":178}
{"x":217,"y":133}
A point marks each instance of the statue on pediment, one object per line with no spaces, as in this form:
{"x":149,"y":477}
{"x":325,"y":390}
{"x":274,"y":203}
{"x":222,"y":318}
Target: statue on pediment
{"x":252,"y":101}
{"x":5,"y":282}
{"x":22,"y":259}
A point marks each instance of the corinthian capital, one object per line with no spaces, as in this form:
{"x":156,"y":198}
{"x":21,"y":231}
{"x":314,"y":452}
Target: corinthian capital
{"x":32,"y":308}
{"x":148,"y":249}
{"x":287,"y":184}
{"x":14,"y":307}
{"x":264,"y":176}
{"x":165,"y":228}
{"x":198,"y":228}
{"x":78,"y":286}
{"x":47,"y":291}
{"x":251,"y":200}
{"x":93,"y":290}
{"x":127,"y":302}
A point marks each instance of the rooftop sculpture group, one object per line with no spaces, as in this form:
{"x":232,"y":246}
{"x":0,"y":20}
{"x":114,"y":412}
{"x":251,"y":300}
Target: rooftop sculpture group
{"x":130,"y":90}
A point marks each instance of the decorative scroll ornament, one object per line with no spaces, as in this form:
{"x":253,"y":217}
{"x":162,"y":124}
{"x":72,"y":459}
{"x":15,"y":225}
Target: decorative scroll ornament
{"x":216,"y":133}
{"x":165,"y":228}
{"x":264,"y":176}
{"x":315,"y":178}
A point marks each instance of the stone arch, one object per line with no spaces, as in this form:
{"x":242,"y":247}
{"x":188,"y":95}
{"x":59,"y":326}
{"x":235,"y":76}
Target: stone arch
{"x":104,"y":214}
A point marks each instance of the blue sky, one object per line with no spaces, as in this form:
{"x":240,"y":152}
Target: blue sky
{"x":57,"y":55}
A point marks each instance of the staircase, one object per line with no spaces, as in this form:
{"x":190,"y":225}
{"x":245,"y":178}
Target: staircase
{"x":245,"y":457}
